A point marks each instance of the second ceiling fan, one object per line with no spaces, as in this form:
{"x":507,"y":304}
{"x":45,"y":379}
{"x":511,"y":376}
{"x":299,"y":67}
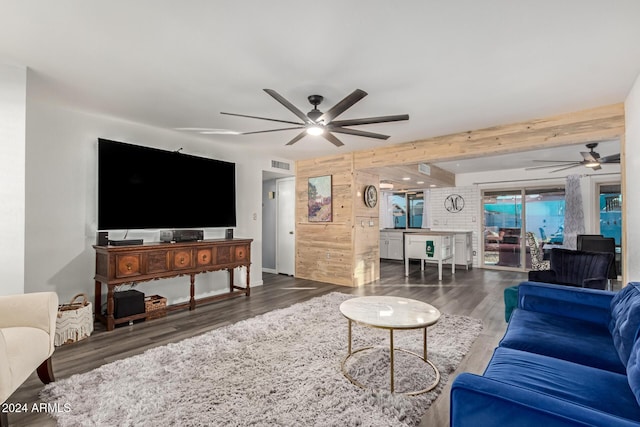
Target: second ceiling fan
{"x":590,"y":159}
{"x":315,"y":122}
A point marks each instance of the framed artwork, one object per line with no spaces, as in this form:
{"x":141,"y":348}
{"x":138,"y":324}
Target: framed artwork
{"x":320,"y":205}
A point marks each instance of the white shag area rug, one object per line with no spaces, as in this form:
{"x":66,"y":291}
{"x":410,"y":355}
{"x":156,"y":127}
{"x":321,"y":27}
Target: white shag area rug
{"x":281,"y":368}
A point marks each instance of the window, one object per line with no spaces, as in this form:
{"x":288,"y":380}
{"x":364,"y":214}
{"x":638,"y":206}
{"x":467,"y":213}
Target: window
{"x":407,"y":209}
{"x":416,"y":209}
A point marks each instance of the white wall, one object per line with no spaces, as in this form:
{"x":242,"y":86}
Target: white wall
{"x":13,"y":91}
{"x":631,"y":203}
{"x":467,"y":219}
{"x":61,"y":183}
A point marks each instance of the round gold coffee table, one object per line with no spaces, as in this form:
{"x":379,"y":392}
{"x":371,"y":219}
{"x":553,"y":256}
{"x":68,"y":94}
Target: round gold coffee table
{"x":391,"y":313}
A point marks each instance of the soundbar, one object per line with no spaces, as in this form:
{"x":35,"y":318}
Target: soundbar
{"x":126,"y":242}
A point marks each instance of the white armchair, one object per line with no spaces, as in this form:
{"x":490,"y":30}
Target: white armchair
{"x":27,"y":330}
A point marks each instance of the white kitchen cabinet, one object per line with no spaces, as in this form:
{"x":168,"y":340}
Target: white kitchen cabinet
{"x":391,"y":244}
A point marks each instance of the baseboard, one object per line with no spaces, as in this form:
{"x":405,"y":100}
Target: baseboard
{"x":269,"y":270}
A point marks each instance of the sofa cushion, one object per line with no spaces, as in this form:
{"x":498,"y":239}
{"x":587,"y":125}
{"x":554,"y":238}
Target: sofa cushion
{"x":598,"y":389}
{"x":625,"y":319}
{"x":633,"y":369}
{"x":564,"y":338}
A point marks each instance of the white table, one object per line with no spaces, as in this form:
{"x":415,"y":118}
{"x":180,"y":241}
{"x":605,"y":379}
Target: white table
{"x":443,"y":250}
{"x":387,"y":312}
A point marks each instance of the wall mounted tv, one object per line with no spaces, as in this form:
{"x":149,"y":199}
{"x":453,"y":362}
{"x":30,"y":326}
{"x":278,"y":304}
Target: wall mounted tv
{"x":141,"y":187}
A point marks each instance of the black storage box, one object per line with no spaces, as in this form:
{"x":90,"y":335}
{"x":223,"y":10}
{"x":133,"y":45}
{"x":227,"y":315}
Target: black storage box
{"x":127,"y":303}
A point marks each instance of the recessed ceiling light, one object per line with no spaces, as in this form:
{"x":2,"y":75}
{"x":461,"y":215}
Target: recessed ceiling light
{"x":419,"y":182}
{"x":432,"y":185}
{"x":406,"y":178}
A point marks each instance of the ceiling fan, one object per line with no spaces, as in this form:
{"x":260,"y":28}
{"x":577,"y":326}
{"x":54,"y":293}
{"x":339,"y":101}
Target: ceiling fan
{"x":315,"y":122}
{"x":590,"y":159}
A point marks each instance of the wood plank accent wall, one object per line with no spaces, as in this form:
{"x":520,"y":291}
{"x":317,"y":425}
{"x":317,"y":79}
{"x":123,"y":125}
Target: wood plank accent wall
{"x":325,"y":250}
{"x":342,"y":252}
{"x":366,"y":267}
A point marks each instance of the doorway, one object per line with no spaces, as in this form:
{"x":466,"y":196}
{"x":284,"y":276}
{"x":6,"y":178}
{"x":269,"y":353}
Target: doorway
{"x":285,"y":226}
{"x":278,"y":223}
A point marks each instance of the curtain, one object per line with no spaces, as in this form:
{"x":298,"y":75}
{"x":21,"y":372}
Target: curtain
{"x":573,"y":213}
{"x":426,"y":202}
{"x":386,"y":210}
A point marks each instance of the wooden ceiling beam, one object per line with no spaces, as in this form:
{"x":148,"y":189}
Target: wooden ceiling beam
{"x":596,"y":124}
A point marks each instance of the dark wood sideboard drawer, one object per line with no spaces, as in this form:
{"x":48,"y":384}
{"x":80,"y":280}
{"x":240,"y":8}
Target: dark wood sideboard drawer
{"x":240,"y":253}
{"x":204,"y":257}
{"x":182,"y":259}
{"x":128,"y":265}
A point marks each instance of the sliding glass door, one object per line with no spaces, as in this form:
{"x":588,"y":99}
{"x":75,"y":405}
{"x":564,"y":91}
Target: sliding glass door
{"x":502,"y":228}
{"x":610,"y":217}
{"x":507,"y":218}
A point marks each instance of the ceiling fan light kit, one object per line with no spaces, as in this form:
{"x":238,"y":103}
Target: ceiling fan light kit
{"x":317,"y":123}
{"x":315,"y":130}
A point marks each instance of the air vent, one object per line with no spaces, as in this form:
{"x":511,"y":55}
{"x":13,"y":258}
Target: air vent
{"x":280,"y":165}
{"x":424,"y":169}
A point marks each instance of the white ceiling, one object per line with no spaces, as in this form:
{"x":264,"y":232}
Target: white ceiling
{"x":452,"y":66}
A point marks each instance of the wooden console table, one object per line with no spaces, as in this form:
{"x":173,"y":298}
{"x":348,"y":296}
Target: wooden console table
{"x":118,"y":265}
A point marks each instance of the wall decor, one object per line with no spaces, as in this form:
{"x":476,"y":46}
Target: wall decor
{"x":454,"y":203}
{"x":319,"y":193}
{"x":370,"y":196}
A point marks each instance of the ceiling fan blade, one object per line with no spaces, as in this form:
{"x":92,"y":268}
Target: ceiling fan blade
{"x":263,"y":118}
{"x":614,"y":158}
{"x":332,"y":139}
{"x":270,"y":130}
{"x":297,"y":138}
{"x":342,"y":106}
{"x":590,"y":156}
{"x":572,"y":164}
{"x":568,"y":167}
{"x":357,"y":132}
{"x":289,"y":106}
{"x":556,"y":161}
{"x":370,"y":120}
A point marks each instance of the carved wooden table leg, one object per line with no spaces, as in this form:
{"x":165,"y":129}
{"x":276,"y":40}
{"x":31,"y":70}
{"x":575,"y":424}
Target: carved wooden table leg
{"x":248,"y":287}
{"x":110,"y":308}
{"x":97,"y":304}
{"x":231,"y":279}
{"x":192,"y":292}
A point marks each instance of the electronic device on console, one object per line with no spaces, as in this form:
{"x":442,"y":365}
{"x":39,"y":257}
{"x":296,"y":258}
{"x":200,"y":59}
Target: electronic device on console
{"x":181,"y":235}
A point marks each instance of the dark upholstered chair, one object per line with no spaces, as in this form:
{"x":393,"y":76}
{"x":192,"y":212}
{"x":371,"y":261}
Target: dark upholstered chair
{"x":597,"y":243}
{"x":576,"y":268}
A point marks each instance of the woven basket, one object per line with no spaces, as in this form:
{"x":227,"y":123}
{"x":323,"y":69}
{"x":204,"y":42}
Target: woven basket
{"x":155,"y":306}
{"x":75,"y":321}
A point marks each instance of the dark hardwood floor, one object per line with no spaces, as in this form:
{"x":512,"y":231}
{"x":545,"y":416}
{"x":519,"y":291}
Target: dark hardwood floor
{"x":476,"y":292}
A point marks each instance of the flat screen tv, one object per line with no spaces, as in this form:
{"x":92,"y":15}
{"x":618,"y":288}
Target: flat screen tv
{"x":141,"y":187}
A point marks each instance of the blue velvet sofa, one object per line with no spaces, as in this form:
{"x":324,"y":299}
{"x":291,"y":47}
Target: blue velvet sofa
{"x":570,"y":357}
